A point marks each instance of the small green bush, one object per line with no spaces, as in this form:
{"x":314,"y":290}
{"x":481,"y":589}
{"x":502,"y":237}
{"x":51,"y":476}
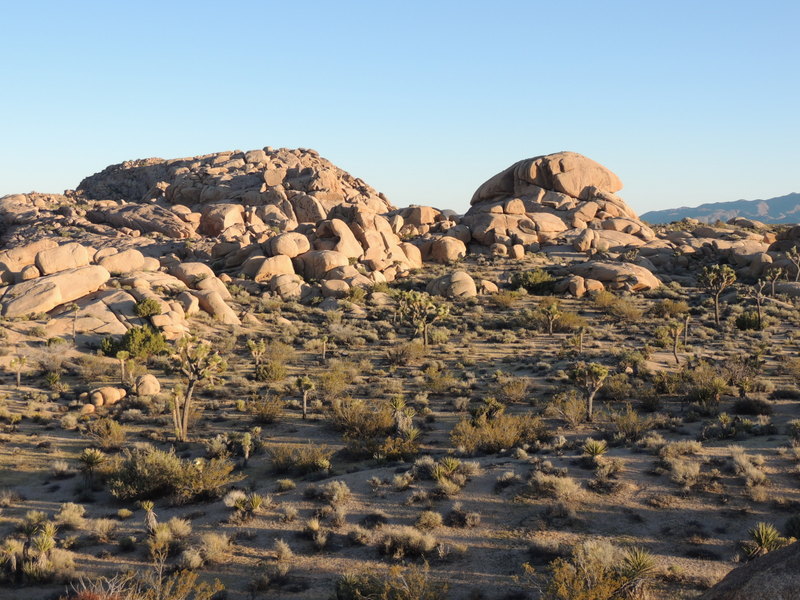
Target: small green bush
{"x":536,"y":281}
{"x":147,"y":307}
{"x":148,"y":473}
{"x":140,"y":342}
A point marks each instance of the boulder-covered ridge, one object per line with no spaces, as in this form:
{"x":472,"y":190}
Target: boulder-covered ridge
{"x":256,"y":177}
{"x":289,"y":224}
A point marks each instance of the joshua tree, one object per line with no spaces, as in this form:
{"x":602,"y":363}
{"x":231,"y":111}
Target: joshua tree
{"x":420,"y":310}
{"x":304,"y":386}
{"x":17,"y":363}
{"x":590,"y":378}
{"x":324,"y":340}
{"x":74,"y":308}
{"x":715,"y":279}
{"x":247,"y":447}
{"x":773,"y":274}
{"x":257,"y":350}
{"x":675,"y":328}
{"x":122,"y":356}
{"x":548,"y":310}
{"x":793,"y":254}
{"x":198,"y":365}
{"x":757,"y":293}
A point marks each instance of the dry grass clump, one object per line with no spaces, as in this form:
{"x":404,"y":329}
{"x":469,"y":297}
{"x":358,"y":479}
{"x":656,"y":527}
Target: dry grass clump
{"x":266,"y":409}
{"x":406,"y":542}
{"x":102,"y":529}
{"x":71,"y":516}
{"x":564,"y":490}
{"x":215,"y":547}
{"x":429,"y":520}
{"x":491,"y":435}
{"x":300,"y":459}
{"x":409,"y":583}
{"x":748,"y":467}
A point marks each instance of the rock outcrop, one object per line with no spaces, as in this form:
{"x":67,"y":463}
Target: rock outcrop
{"x":546,"y":199}
{"x":774,"y":576}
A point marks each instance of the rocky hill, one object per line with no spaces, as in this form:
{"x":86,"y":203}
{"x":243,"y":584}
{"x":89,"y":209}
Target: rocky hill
{"x":783,"y":209}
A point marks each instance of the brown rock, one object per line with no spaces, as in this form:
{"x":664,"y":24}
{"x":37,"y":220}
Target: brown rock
{"x":61,"y":258}
{"x":46,"y":293}
{"x":617,"y":275}
{"x":447,"y":249}
{"x":123,"y":262}
{"x":275,"y":265}
{"x":458,"y":284}
{"x":774,"y":576}
{"x":317,"y":263}
{"x":289,"y":244}
{"x":213,"y":304}
{"x":147,"y":385}
{"x":335,"y":288}
{"x":218,"y":217}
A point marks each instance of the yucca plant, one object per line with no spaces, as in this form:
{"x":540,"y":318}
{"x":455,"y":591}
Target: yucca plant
{"x":594,"y":448}
{"x":90,"y":459}
{"x":150,"y":520}
{"x":764,"y":538}
{"x":450,"y":464}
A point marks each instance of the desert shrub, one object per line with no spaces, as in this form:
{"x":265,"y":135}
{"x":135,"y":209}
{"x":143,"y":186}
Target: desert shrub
{"x":102,"y":529}
{"x":513,"y":389}
{"x":747,"y":467}
{"x":629,"y":423}
{"x":70,"y":516}
{"x":429,"y":520}
{"x":147,"y":307}
{"x":406,"y":542}
{"x":215,"y":547}
{"x":149,"y":473}
{"x":594,"y":448}
{"x":597,"y":570}
{"x":561,"y":489}
{"x":439,"y":381}
{"x":363,"y":426}
{"x":405,"y":354}
{"x":673,"y":309}
{"x":271,"y":370}
{"x":300,"y":459}
{"x":536,"y":281}
{"x":409,"y":583}
{"x":106,"y":433}
{"x":749,"y":321}
{"x":623,"y":309}
{"x":751,"y":406}
{"x":569,"y":407}
{"x":493,"y":435}
{"x":617,"y":387}
{"x":505,"y":299}
{"x":703,"y":384}
{"x":266,"y":409}
{"x":458,"y":517}
{"x":140,"y":342}
{"x":336,"y":378}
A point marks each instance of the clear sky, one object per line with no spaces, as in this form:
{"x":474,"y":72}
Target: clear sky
{"x":688,"y":102}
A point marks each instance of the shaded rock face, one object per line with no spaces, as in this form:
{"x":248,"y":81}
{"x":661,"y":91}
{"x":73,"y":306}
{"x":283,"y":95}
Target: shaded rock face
{"x":542,"y":199}
{"x":775,"y":576}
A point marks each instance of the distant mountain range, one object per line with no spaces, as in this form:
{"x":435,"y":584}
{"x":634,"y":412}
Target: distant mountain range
{"x":783,"y":209}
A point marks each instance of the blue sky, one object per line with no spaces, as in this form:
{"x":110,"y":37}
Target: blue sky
{"x":687,"y":102}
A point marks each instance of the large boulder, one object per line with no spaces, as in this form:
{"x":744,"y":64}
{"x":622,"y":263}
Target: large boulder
{"x":447,"y":249}
{"x":774,"y":576}
{"x":218,"y":217}
{"x":147,"y":385}
{"x":213,"y":304}
{"x":46,"y":293}
{"x":123,"y":262}
{"x":289,"y":244}
{"x":61,"y":258}
{"x":317,"y":263}
{"x":457,"y":284}
{"x":617,"y":275}
{"x":275,"y":265}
